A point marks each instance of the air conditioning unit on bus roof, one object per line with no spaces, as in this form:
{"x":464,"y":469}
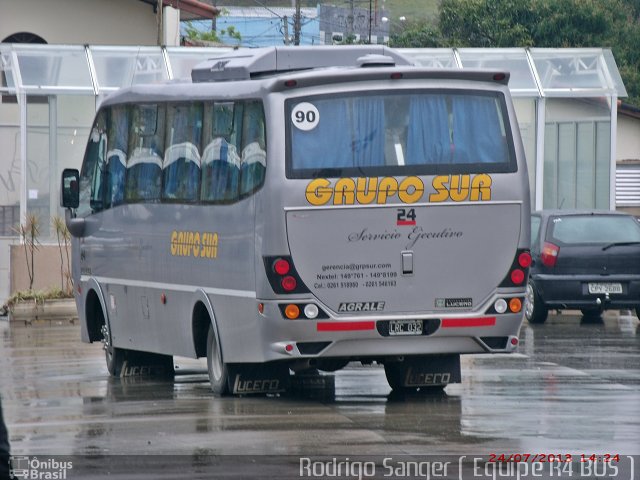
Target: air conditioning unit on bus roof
{"x":250,"y":63}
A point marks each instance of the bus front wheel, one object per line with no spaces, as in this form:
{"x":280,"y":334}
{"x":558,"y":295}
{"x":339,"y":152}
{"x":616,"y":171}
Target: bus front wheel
{"x":218,"y":370}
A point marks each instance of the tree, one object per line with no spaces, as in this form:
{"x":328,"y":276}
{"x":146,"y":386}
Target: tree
{"x":537,"y":23}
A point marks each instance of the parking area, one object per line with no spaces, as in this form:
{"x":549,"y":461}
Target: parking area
{"x":572,"y":388}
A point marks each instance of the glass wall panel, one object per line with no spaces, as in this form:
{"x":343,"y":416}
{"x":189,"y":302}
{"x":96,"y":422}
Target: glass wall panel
{"x":603,"y":164}
{"x":64,"y":67}
{"x":572,"y":72}
{"x":586,"y":171}
{"x":7,"y":82}
{"x":526,"y":113}
{"x":38,"y":171}
{"x":431,"y":57}
{"x":9,"y":168}
{"x":521,"y":81}
{"x":57,"y":133}
{"x":182,"y":59}
{"x":550,"y":183}
{"x":118,"y":67}
{"x":577,"y":154}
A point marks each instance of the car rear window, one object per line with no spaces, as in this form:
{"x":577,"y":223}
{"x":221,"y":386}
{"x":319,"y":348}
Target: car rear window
{"x":584,"y":229}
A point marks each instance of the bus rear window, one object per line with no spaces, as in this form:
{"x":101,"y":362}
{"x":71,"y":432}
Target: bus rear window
{"x":398,"y":133}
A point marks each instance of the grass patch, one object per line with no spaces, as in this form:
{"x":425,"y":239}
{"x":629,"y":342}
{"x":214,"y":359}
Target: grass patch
{"x":37,"y":296}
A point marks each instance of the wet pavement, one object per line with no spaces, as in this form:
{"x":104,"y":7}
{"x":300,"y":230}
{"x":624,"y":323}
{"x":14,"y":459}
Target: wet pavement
{"x":572,"y":388}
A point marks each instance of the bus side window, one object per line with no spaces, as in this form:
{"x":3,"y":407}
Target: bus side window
{"x":146,"y":147}
{"x":254,"y":155}
{"x":117,"y":139}
{"x":92,"y":178}
{"x":220,"y":159}
{"x":181,"y":167}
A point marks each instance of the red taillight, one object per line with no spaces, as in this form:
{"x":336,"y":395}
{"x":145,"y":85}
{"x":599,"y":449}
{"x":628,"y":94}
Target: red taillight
{"x":517,"y":276}
{"x":549,"y":255}
{"x":281,"y":266}
{"x":289,"y":283}
{"x":524,"y":259}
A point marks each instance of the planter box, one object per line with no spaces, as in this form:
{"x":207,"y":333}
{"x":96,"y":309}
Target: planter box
{"x":51,"y":312}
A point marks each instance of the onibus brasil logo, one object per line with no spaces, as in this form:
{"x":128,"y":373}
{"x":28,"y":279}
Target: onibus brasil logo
{"x":33,"y":468}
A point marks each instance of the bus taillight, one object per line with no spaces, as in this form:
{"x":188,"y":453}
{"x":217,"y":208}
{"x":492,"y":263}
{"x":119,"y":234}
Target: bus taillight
{"x":281,"y":266}
{"x":289,"y":283}
{"x":283,"y":276}
{"x":519,"y":271}
{"x":524,"y":259}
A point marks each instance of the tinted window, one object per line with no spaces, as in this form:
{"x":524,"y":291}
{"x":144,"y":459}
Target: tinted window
{"x":117,"y":141}
{"x":146,"y":151}
{"x":594,"y":229}
{"x":92,"y":177}
{"x":181,"y":167}
{"x":398,"y":133}
{"x":234,"y":158}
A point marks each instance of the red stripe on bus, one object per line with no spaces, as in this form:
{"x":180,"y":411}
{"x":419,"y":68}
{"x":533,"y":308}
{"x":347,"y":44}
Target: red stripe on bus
{"x":345,"y":326}
{"x":406,"y":222}
{"x":468,"y":322}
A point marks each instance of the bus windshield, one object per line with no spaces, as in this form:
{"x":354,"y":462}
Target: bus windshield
{"x":408,"y":132}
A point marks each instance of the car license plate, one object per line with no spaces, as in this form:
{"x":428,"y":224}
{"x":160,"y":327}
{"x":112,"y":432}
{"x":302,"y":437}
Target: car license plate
{"x":405,"y":327}
{"x":605,"y":288}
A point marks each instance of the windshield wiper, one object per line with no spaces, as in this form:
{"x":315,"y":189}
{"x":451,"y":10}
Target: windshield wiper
{"x":619,"y":244}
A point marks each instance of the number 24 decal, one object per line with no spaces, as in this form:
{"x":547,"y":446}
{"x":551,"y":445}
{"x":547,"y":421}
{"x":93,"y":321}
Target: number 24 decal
{"x":406,"y":216}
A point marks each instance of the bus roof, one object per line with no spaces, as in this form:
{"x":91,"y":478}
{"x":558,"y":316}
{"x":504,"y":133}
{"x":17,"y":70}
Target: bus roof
{"x":251,"y":63}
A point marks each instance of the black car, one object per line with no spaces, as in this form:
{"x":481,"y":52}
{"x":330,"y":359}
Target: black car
{"x":583,"y":260}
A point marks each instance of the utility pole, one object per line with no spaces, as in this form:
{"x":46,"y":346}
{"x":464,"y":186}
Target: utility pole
{"x":285,"y":19}
{"x":159,"y":11}
{"x":350,"y":19}
{"x":370,"y":17}
{"x":297,"y":24}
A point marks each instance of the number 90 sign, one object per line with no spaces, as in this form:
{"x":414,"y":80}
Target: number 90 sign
{"x":305,"y":116}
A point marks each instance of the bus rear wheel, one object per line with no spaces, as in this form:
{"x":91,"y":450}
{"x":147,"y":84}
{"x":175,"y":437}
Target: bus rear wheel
{"x":114,"y":357}
{"x":396,"y":373}
{"x":218,"y":370}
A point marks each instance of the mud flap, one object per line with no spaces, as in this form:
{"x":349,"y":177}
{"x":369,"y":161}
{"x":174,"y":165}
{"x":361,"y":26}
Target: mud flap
{"x":258,"y":378}
{"x":141,"y":364}
{"x":432,"y":371}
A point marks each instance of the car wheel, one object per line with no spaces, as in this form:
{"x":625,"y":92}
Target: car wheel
{"x":535,"y":311}
{"x":638,"y":312}
{"x":218,"y":370}
{"x":591,"y":314}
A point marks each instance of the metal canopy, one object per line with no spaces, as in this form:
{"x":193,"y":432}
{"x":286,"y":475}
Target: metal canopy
{"x":51,"y":69}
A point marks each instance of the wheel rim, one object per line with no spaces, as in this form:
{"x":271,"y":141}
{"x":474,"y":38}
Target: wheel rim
{"x":215,"y":360}
{"x":528,"y":307}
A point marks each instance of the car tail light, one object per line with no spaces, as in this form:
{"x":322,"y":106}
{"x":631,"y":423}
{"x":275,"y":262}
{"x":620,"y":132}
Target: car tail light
{"x":283,"y":276}
{"x":519,"y":271}
{"x":549,"y":254}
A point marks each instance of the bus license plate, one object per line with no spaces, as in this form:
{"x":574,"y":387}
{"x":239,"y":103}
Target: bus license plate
{"x":605,"y":288}
{"x":405,"y":327}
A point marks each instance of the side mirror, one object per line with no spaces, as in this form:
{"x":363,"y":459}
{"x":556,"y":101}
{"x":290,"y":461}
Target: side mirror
{"x":70,"y":188}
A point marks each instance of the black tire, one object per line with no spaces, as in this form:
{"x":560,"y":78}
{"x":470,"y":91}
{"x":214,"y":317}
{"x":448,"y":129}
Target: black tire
{"x":534,"y":311}
{"x":638,"y":312}
{"x":218,"y":370}
{"x":115,"y":358}
{"x":591,"y":313}
{"x":396,"y":373}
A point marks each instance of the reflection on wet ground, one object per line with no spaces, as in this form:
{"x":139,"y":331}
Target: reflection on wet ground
{"x":571,"y":388}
